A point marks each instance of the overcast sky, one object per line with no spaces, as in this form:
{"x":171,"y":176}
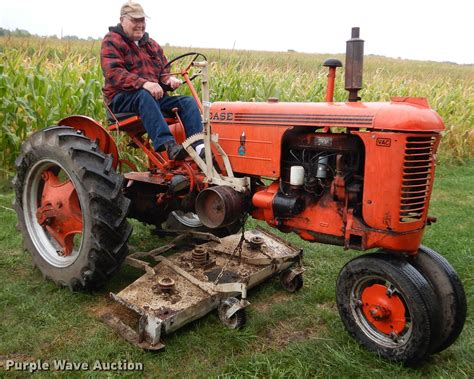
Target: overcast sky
{"x":439,"y":30}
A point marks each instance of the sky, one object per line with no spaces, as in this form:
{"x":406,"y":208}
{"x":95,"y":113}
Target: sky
{"x":437,"y":30}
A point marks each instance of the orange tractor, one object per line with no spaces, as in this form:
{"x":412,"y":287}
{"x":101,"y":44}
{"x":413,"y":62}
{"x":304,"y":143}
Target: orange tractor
{"x":352,"y":174}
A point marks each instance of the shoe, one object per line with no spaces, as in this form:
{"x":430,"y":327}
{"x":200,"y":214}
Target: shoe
{"x":199,"y":147}
{"x":202,"y":155}
{"x":178,"y":183}
{"x":175,"y":152}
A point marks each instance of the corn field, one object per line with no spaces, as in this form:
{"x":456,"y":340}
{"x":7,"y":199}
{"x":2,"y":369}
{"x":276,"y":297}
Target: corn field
{"x":42,"y":81}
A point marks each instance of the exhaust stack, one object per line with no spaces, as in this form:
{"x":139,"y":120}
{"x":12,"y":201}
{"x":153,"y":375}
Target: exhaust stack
{"x":354,"y":65}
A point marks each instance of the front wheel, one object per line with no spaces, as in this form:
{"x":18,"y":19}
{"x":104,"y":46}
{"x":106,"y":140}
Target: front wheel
{"x":388,"y":306}
{"x":70,"y":208}
{"x":449,"y":293}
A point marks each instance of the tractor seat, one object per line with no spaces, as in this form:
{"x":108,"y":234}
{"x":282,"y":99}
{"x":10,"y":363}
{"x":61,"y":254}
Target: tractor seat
{"x":124,"y":116}
{"x":130,"y":123}
{"x":119,"y":116}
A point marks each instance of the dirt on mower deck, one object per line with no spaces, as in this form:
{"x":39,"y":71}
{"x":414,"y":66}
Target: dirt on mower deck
{"x":188,"y":284}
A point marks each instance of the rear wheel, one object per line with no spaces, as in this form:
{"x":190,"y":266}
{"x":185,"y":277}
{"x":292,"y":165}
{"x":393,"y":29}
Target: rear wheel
{"x":388,"y":306}
{"x":70,"y":208}
{"x":449,"y":293}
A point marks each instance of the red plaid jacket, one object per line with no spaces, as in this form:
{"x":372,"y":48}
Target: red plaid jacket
{"x":126,"y":66}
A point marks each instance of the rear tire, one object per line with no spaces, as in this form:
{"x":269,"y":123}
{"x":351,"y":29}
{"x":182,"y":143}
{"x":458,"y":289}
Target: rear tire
{"x":388,"y":306}
{"x":449,"y":293}
{"x":95,"y":219}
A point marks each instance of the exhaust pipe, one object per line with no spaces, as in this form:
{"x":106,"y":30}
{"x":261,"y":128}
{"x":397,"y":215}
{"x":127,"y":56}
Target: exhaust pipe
{"x":354,"y":65}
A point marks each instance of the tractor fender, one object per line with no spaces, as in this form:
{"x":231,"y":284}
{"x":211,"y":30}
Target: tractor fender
{"x":95,"y":132}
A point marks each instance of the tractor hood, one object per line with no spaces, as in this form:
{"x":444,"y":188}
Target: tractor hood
{"x":400,"y":114}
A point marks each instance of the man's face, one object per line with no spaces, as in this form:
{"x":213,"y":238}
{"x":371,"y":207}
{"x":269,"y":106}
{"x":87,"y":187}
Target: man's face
{"x":134,"y":28}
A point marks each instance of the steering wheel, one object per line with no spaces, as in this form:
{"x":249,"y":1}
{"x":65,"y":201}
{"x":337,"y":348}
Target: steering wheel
{"x":189,"y":62}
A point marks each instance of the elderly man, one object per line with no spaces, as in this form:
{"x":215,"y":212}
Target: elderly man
{"x":136,"y":81}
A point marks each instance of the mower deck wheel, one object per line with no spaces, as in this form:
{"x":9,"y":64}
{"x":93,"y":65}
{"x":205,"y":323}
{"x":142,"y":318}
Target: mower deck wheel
{"x":236,"y":320}
{"x":291,"y":284}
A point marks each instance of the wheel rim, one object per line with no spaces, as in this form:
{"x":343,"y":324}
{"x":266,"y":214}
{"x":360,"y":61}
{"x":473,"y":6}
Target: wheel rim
{"x":52,"y":213}
{"x":381,"y":312}
{"x":230,"y":322}
{"x":233,"y":321}
{"x":189,"y":219}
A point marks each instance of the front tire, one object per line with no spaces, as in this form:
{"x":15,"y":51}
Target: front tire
{"x":449,"y":294}
{"x":70,"y":208}
{"x":388,"y":306}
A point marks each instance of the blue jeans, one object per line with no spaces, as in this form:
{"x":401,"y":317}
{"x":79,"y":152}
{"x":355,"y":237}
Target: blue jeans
{"x":150,"y":110}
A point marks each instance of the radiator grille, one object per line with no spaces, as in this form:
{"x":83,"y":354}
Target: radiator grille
{"x":418,"y":167}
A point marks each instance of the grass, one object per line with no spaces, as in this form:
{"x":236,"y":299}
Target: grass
{"x":287,"y":335}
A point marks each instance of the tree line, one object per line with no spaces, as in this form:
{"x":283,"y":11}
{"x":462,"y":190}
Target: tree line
{"x":25,"y":33}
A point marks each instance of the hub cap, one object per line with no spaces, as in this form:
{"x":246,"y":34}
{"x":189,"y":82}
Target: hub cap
{"x":381,"y":312}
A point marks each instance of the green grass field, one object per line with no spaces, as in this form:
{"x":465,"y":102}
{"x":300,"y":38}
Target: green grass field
{"x":287,"y":335}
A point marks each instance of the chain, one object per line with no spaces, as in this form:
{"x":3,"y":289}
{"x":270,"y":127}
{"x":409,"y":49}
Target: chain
{"x":238,"y":249}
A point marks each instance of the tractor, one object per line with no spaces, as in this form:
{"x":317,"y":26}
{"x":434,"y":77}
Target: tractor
{"x":353,"y":174}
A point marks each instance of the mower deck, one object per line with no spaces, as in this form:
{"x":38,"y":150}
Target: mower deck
{"x":189,"y":284}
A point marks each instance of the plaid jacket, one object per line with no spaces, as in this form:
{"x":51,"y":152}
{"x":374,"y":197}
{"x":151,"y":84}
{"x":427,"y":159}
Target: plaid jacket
{"x":126,"y":66}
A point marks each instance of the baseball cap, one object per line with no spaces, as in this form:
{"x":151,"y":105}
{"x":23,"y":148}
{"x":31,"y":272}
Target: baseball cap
{"x":133,"y":10}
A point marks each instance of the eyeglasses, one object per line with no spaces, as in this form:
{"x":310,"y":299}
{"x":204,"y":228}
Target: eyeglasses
{"x":136,"y":20}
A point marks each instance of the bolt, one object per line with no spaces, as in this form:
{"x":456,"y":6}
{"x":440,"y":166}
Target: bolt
{"x":394,"y":337}
{"x":379,"y":313}
{"x":390,"y":291}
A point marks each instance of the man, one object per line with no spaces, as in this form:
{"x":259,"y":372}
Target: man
{"x":135,"y":81}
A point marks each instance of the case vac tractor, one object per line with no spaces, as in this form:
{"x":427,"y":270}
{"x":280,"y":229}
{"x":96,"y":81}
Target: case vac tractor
{"x":352,"y":174}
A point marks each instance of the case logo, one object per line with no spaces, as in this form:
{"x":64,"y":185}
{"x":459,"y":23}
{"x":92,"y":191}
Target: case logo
{"x":222,"y":116}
